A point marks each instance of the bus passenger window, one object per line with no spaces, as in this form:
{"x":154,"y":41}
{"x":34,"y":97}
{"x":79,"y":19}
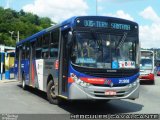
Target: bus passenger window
{"x":45,"y":53}
{"x":39,"y":48}
{"x":45,"y":45}
{"x":27,"y":50}
{"x":54,"y":44}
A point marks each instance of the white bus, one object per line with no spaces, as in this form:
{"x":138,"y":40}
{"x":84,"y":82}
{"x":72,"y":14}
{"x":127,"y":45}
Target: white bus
{"x":147,"y":65}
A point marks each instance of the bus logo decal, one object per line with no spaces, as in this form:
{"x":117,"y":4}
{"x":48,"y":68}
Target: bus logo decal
{"x":109,"y":82}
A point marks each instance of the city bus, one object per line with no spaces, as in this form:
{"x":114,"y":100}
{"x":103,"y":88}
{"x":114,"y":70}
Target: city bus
{"x":147,"y":65}
{"x":83,"y":58}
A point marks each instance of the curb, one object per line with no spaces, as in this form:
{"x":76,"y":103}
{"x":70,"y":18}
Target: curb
{"x":8,"y":81}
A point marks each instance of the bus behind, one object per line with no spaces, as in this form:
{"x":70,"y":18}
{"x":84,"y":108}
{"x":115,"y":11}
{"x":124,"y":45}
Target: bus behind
{"x":147,"y":66}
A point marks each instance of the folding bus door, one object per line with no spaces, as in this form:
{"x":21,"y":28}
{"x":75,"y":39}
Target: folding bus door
{"x":63,"y":64}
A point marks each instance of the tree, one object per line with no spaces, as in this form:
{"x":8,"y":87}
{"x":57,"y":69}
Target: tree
{"x":26,"y":23}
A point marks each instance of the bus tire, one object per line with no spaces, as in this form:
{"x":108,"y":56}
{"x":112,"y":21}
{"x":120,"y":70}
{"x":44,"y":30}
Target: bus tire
{"x":52,"y":97}
{"x":23,"y":82}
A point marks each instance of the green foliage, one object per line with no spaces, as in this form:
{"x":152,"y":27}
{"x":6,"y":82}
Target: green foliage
{"x":26,"y":23}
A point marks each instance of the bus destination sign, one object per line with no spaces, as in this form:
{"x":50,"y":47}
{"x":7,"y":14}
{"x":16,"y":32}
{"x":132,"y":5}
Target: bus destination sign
{"x":91,"y":23}
{"x":120,"y":26}
{"x":103,"y":24}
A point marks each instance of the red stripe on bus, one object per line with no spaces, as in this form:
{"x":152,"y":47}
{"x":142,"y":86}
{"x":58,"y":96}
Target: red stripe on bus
{"x":94,"y":80}
{"x":33,"y":74}
{"x":70,"y":80}
{"x":99,"y":81}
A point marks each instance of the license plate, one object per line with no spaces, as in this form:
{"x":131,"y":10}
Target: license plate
{"x":108,"y":92}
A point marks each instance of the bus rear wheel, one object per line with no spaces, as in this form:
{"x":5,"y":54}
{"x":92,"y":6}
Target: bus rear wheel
{"x":51,"y":95}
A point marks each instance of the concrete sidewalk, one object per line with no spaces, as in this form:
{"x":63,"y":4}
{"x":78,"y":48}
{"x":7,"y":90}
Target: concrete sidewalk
{"x":7,"y":81}
{"x":12,"y":79}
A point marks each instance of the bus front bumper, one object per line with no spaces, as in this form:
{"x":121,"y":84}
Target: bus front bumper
{"x":149,"y":76}
{"x":77,"y":92}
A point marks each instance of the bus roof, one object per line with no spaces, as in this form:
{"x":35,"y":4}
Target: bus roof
{"x":66,"y":24}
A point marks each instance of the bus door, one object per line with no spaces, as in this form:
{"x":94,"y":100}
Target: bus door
{"x":19,"y":52}
{"x":63,"y":65}
{"x":32,"y":64}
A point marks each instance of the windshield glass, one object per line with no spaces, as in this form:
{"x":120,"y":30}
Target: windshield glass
{"x":146,"y":63}
{"x":108,"y":51}
{"x":146,"y":60}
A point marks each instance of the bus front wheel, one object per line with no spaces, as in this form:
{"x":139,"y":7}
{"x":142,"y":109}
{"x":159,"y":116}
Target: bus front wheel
{"x":51,"y":95}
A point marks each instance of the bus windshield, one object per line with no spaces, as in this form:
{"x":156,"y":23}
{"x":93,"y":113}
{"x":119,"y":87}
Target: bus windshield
{"x":146,"y":63}
{"x":109,"y":51}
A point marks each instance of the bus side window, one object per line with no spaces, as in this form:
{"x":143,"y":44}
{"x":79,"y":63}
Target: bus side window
{"x":33,"y":49}
{"x":27,"y":50}
{"x":54,"y":44}
{"x":17,"y":53}
{"x":39,"y":48}
{"x":23,"y":52}
{"x":45,"y":44}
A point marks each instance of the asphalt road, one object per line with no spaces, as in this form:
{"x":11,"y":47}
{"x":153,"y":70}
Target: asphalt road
{"x":13,"y":99}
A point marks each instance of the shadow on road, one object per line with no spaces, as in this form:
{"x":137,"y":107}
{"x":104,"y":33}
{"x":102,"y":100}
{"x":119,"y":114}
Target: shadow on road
{"x":91,"y":107}
{"x":146,"y":82}
{"x":35,"y":92}
{"x":112,"y":107}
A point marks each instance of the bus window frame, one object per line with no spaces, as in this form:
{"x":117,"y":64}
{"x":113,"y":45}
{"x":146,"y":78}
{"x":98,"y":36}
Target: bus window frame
{"x":45,"y":46}
{"x":38,"y":47}
{"x":55,"y":41}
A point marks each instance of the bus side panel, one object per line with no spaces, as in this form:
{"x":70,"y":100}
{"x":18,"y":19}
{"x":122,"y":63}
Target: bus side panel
{"x":16,"y":69}
{"x":33,"y":72}
{"x":22,"y":66}
{"x":39,"y":72}
{"x":49,"y":70}
{"x":26,"y":71}
{"x":36,"y":75}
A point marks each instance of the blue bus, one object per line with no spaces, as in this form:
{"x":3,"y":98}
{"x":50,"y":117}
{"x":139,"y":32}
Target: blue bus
{"x":83,"y":58}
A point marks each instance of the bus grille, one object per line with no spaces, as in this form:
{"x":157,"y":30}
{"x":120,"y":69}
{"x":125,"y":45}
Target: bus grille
{"x":104,"y":85}
{"x":102,"y":94}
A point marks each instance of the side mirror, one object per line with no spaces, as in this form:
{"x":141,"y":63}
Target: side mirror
{"x":70,"y":35}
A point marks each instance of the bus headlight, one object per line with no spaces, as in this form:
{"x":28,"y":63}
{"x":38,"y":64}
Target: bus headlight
{"x":79,"y":81}
{"x":134,"y":83}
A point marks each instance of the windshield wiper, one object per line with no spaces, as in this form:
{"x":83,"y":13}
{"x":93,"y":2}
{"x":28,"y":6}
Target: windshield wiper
{"x":122,"y":40}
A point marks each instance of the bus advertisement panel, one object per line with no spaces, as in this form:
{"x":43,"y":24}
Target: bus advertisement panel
{"x":83,"y":58}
